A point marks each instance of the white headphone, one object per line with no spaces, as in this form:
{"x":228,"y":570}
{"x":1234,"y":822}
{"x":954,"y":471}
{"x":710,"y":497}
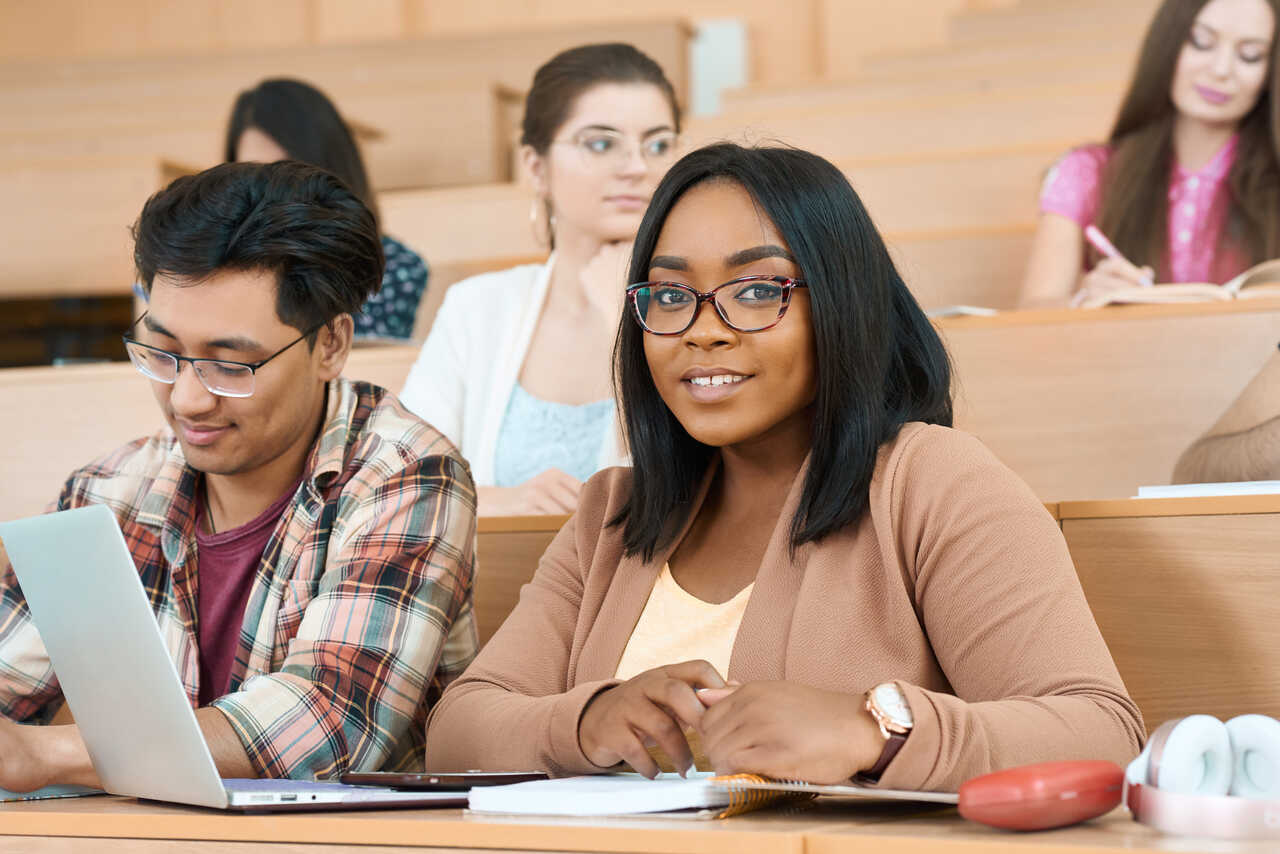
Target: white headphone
{"x":1201,"y":777}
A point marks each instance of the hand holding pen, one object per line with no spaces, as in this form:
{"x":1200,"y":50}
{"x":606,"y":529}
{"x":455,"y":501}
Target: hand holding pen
{"x":1115,"y":272}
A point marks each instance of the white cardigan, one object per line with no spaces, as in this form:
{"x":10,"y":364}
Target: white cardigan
{"x":470,"y":363}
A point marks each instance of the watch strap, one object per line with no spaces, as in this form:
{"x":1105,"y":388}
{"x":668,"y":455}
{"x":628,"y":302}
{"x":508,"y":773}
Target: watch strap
{"x":891,"y":747}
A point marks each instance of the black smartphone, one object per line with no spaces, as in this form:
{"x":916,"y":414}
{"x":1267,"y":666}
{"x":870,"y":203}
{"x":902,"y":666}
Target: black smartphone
{"x":458,"y":781}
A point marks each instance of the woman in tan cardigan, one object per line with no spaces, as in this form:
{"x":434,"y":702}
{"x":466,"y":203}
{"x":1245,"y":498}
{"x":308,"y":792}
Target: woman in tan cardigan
{"x":806,"y":570}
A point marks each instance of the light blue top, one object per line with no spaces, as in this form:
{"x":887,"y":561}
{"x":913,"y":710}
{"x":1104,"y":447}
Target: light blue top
{"x":538,"y":434}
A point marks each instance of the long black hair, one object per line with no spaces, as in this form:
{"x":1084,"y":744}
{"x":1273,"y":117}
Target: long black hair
{"x":306,"y":124}
{"x":880,"y":362}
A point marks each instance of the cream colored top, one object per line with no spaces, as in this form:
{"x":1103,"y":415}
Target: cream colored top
{"x":677,"y":626}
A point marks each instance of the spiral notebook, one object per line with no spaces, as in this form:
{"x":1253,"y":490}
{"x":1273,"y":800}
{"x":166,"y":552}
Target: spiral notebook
{"x":700,"y":795}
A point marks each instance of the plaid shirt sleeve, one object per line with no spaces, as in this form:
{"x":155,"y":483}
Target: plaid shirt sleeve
{"x":390,"y":625}
{"x":27,"y":683}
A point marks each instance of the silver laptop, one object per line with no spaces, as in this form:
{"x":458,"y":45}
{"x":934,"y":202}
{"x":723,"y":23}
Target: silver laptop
{"x":122,"y":687}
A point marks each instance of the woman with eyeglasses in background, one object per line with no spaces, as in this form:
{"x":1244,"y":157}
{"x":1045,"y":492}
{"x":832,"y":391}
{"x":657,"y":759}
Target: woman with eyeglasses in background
{"x":1187,"y":187}
{"x":805,"y":570}
{"x":516,"y":368}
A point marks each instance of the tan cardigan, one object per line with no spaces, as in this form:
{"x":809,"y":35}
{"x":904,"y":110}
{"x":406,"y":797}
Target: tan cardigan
{"x":957,"y":585}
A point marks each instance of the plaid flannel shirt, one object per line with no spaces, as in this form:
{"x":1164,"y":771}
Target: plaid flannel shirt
{"x":360,"y":612}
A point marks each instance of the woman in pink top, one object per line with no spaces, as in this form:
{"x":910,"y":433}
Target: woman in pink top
{"x":1188,"y":185}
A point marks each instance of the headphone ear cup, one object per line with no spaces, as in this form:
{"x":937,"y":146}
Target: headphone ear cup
{"x":1255,"y":742}
{"x":1196,"y":758}
{"x":1135,"y":773}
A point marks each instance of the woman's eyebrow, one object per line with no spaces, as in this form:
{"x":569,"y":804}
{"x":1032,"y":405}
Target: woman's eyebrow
{"x":757,"y":253}
{"x":669,"y":262}
{"x":658,"y":129}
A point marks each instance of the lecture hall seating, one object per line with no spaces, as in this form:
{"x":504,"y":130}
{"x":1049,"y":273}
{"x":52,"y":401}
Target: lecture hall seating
{"x":946,"y":140}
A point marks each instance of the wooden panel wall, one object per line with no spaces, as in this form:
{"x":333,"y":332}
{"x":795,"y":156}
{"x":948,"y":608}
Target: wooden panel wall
{"x":789,"y":40}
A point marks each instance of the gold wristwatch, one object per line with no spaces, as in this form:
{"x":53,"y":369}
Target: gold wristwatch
{"x":892,"y":714}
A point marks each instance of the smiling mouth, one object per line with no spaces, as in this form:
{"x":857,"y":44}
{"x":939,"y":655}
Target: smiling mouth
{"x":1213,"y":96}
{"x":202,"y":434}
{"x":717,"y":380}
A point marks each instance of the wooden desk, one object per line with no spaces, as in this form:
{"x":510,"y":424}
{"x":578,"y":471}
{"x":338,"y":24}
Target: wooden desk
{"x":1087,"y":404}
{"x":1186,"y":592}
{"x":109,"y":824}
{"x":1114,"y":833}
{"x":105,"y":818}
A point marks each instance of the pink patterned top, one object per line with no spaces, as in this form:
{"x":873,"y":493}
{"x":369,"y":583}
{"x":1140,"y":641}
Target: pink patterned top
{"x":1198,"y":205}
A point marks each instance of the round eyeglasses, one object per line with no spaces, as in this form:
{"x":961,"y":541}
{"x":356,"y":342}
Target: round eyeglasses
{"x":218,"y":376}
{"x":748,"y":304}
{"x":602,"y":150}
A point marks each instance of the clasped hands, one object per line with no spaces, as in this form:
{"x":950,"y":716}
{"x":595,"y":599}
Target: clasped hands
{"x":777,"y":729}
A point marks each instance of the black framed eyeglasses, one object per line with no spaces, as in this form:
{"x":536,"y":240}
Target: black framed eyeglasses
{"x":222,"y":377}
{"x":747,"y":304}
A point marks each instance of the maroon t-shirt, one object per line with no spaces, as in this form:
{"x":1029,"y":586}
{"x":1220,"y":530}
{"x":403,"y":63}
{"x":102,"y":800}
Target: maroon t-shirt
{"x":227,"y":563}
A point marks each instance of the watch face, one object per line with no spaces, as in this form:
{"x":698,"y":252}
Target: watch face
{"x":893,"y":704}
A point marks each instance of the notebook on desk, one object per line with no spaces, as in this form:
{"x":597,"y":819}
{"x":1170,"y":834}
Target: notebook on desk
{"x":1204,"y":490}
{"x":113,"y":666}
{"x":700,"y":795}
{"x":1260,"y":280}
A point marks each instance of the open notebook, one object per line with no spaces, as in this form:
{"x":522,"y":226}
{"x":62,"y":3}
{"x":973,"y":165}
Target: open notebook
{"x":1260,"y":280}
{"x":701,"y":795}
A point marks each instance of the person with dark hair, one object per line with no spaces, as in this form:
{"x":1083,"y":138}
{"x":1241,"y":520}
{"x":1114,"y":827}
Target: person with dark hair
{"x":306,"y":542}
{"x":290,"y":120}
{"x":806,"y":573}
{"x":1187,"y":187}
{"x":516,"y":367}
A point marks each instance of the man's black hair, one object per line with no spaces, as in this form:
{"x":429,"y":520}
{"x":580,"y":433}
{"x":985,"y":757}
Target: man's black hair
{"x":288,"y":218}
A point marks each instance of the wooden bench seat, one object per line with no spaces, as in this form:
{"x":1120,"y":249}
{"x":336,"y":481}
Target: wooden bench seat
{"x":404,"y":143}
{"x":1094,"y":403}
{"x":506,"y":57}
{"x":938,"y":126}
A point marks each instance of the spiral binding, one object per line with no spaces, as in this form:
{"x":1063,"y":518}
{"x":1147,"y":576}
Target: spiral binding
{"x":743,"y":799}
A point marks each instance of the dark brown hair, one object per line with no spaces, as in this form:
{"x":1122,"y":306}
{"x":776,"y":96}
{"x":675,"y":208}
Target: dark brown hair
{"x":305,"y":123}
{"x":559,"y":82}
{"x":295,"y":220}
{"x":1135,"y":204}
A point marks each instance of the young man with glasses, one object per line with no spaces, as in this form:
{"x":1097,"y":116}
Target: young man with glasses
{"x":306,"y":542}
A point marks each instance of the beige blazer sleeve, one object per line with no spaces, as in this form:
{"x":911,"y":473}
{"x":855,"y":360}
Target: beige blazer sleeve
{"x":998,"y":597}
{"x":513,"y":709}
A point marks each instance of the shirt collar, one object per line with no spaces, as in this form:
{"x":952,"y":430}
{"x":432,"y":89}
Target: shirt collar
{"x":1217,"y":167}
{"x":330,"y":452}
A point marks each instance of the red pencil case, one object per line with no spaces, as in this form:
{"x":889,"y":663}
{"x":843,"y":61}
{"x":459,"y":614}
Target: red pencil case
{"x":1043,"y":795}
